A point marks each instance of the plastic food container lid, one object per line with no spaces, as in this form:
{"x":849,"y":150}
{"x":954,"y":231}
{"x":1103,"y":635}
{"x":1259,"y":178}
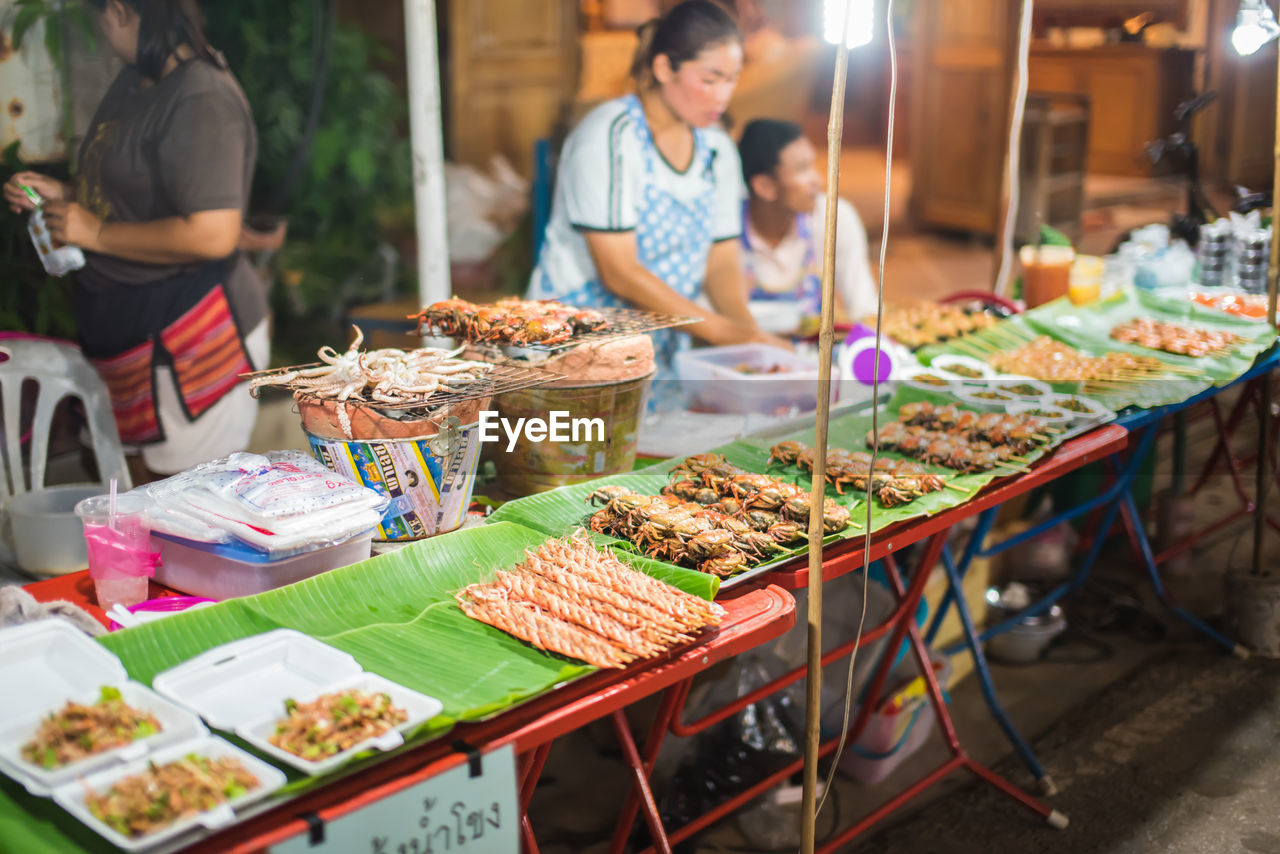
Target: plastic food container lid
{"x":242,"y":686}
{"x":55,"y":662}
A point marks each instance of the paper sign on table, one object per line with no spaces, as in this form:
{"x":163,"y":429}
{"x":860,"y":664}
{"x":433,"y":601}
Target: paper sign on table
{"x":451,"y":810}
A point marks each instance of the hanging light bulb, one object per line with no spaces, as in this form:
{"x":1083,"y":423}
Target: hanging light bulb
{"x":1255,"y":26}
{"x":860,"y":26}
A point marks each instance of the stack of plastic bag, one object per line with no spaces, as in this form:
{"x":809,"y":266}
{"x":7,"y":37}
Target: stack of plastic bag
{"x":281,"y":503}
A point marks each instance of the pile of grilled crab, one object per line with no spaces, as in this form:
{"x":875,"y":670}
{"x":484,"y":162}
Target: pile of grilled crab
{"x":511,"y":321}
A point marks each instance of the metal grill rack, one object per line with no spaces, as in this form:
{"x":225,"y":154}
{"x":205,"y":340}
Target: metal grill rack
{"x":500,"y":379}
{"x":623,"y":322}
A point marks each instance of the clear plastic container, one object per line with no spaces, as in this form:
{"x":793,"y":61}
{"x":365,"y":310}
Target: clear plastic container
{"x":749,"y":378}
{"x":243,"y":685}
{"x":227,"y":570}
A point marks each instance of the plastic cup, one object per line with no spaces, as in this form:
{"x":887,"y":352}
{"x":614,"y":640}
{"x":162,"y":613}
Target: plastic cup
{"x":121,"y":562}
{"x":1046,"y":273}
{"x":1086,"y":280}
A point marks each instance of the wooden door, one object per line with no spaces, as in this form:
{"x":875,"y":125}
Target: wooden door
{"x":512,"y":72}
{"x":962,"y":99}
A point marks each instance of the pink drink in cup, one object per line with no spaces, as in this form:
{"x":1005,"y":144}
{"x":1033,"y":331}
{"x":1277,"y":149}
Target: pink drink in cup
{"x":121,"y":562}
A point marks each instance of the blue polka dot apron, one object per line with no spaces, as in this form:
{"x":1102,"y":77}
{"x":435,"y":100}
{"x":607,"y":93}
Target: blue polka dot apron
{"x":673,"y":240}
{"x":808,"y":286}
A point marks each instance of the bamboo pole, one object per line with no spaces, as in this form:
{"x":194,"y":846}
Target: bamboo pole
{"x":1264,"y":411}
{"x":817,"y":496}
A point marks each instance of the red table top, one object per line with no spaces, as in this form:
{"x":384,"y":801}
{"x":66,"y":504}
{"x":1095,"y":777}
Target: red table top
{"x":754,"y":618}
{"x":846,"y":556}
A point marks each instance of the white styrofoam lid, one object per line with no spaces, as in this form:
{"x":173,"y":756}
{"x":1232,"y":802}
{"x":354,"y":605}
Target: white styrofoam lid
{"x":48,"y":661}
{"x":247,"y":679}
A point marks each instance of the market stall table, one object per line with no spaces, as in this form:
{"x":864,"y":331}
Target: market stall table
{"x":848,"y":557}
{"x":754,"y":617}
{"x":1143,"y":426}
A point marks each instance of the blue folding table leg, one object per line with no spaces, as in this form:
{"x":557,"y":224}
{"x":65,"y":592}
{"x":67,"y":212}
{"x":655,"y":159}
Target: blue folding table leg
{"x":1153,"y":573}
{"x":1020,"y":745}
{"x":985,"y":520}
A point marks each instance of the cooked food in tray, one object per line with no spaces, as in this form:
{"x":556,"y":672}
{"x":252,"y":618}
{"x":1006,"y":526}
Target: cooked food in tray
{"x":1047,"y":359}
{"x":332,"y":723}
{"x":574,"y":599}
{"x":961,"y":439}
{"x":1252,"y":306}
{"x":919,"y":323}
{"x":151,"y":801}
{"x":517,"y":322}
{"x":1174,"y":338}
{"x":78,"y":730}
{"x":713,"y":516}
{"x":744,"y":368}
{"x":894,"y":482}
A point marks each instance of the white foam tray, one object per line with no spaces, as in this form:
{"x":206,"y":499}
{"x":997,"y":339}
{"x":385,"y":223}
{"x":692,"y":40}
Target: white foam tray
{"x":71,"y":797}
{"x":50,"y":662}
{"x":241,"y":687}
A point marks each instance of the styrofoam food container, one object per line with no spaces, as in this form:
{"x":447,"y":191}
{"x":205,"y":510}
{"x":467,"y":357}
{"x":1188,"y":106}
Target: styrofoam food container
{"x":1006,"y":382}
{"x":909,"y":373}
{"x":1061,"y":416}
{"x":72,"y":796}
{"x":227,"y":570}
{"x":1097,"y":412}
{"x":419,"y":707}
{"x":241,"y":686}
{"x":947,"y":363}
{"x":711,"y":382}
{"x":47,"y":663}
{"x":969,"y":397}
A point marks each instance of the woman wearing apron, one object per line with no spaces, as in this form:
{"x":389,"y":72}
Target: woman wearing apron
{"x":168,"y":311}
{"x":646,"y":207}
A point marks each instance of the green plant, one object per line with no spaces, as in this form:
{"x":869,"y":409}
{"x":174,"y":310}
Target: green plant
{"x":58,"y":16}
{"x":355,"y":187}
{"x":30,"y":299}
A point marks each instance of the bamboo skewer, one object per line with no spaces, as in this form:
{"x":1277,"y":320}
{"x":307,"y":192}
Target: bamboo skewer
{"x":958,"y":488}
{"x":1022,"y":469}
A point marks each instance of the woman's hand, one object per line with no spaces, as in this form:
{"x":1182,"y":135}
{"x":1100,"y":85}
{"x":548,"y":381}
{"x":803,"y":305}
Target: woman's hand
{"x":71,"y":223}
{"x":51,"y":189}
{"x":761,"y":337}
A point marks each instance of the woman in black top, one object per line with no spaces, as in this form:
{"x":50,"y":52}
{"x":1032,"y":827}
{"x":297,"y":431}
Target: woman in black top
{"x":169,"y":312}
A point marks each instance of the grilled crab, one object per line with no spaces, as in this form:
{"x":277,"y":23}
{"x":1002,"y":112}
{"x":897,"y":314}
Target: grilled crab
{"x":725,"y":565}
{"x":787,"y":452}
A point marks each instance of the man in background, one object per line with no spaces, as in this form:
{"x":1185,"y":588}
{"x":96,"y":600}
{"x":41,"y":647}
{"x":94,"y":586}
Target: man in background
{"x":782,"y":231}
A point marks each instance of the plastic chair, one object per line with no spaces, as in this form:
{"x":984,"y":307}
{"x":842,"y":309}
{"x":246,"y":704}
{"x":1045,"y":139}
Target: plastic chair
{"x":987,"y":298}
{"x":59,"y":370}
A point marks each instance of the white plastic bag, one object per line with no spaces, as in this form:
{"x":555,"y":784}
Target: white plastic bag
{"x":283,"y":502}
{"x":57,"y":262}
{"x":484,"y":208}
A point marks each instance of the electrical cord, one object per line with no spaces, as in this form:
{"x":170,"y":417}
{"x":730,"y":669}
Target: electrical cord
{"x":1015,"y":151}
{"x":875,"y":398}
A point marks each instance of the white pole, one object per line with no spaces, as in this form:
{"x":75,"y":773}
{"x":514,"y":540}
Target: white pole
{"x":428,"y":150}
